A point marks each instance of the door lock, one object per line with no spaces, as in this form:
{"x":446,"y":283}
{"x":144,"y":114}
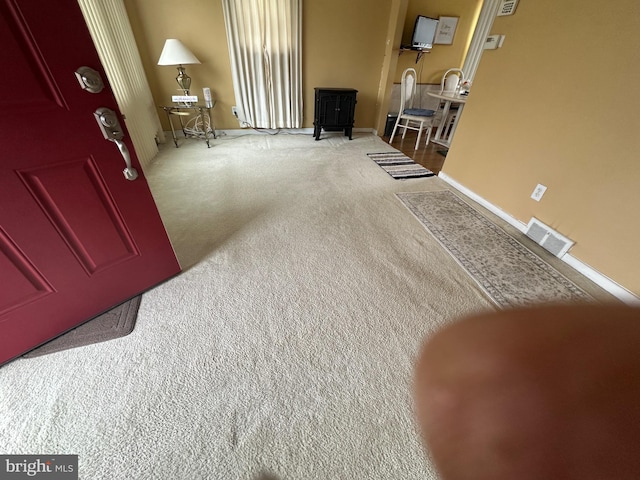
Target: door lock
{"x":112,"y":131}
{"x":89,"y":79}
{"x":109,"y":124}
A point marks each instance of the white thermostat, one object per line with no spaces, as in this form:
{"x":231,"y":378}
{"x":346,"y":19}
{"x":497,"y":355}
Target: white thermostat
{"x":493,"y":42}
{"x":507,"y":7}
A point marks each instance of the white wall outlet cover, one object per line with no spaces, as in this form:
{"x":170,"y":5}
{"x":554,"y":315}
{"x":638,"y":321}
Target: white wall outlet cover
{"x":538,"y":192}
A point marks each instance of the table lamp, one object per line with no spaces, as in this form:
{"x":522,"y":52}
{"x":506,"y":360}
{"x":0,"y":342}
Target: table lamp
{"x":175,"y":53}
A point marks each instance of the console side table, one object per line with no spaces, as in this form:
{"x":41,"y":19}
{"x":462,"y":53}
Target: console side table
{"x":201,"y":116}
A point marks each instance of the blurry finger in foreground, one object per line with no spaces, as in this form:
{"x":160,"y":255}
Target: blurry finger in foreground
{"x":549,"y":392}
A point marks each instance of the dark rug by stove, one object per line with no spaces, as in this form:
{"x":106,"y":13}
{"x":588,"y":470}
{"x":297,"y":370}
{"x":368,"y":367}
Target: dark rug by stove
{"x":510,"y":273}
{"x":399,"y":166}
{"x":117,"y":322}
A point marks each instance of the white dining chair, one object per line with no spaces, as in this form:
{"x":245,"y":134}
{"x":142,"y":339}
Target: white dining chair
{"x":418,"y":119}
{"x":451,"y":81}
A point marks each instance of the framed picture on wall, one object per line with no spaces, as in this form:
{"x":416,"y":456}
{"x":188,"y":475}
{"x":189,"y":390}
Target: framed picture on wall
{"x":446,"y":30}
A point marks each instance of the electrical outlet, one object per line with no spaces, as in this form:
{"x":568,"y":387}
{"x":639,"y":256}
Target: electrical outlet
{"x":538,"y":192}
{"x":234,"y":110}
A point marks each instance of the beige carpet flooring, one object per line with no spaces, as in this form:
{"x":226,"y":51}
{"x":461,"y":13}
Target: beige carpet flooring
{"x":286,"y":348}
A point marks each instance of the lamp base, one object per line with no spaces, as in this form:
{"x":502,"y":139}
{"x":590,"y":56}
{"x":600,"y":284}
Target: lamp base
{"x":184,"y":80}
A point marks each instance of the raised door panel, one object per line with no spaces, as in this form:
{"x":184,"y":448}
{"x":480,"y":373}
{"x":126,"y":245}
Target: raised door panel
{"x":88,"y":221}
{"x":344,"y":112}
{"x":27,"y":80}
{"x":22,"y":282}
{"x":328,"y":107}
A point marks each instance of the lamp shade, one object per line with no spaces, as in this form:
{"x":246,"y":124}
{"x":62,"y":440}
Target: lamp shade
{"x":175,"y":53}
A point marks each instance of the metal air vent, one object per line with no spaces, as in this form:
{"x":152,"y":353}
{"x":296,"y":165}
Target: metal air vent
{"x":548,"y":238}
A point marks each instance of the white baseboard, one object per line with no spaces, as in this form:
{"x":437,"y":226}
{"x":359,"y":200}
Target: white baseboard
{"x":291,"y":131}
{"x":598,"y":278}
{"x":238,"y":132}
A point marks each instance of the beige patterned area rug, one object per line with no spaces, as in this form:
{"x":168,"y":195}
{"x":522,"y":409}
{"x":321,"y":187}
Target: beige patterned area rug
{"x":510,"y":273}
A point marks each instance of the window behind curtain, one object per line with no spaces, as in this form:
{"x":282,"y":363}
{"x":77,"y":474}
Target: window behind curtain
{"x":265,"y":44}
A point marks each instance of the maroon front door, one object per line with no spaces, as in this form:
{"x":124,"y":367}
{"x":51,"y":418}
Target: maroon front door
{"x":76,"y":236}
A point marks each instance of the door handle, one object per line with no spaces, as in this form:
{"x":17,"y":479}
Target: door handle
{"x":112,"y":131}
{"x":129,"y":172}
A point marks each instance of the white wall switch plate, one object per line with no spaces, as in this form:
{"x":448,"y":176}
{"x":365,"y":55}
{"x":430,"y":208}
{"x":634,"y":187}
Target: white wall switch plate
{"x":538,"y":192}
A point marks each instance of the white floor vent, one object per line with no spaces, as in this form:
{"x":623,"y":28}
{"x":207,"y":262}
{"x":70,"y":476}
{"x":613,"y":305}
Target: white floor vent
{"x":547,"y":237}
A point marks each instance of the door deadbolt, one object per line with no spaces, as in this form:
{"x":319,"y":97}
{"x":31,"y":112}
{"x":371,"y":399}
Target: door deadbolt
{"x":89,"y":79}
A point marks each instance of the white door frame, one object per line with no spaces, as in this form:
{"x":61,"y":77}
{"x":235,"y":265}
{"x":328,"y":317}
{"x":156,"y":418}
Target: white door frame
{"x":483,"y":27}
{"x":445,"y":132}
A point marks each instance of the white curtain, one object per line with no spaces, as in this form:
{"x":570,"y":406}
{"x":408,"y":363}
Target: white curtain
{"x":265,"y":45}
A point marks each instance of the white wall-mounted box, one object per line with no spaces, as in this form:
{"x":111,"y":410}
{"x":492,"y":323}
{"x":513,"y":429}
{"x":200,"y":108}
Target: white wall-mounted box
{"x":493,"y":42}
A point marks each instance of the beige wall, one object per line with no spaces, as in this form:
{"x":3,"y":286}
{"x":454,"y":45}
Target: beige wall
{"x":343,"y":46}
{"x":199,"y":24}
{"x":432,"y":66}
{"x":557,"y":105}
